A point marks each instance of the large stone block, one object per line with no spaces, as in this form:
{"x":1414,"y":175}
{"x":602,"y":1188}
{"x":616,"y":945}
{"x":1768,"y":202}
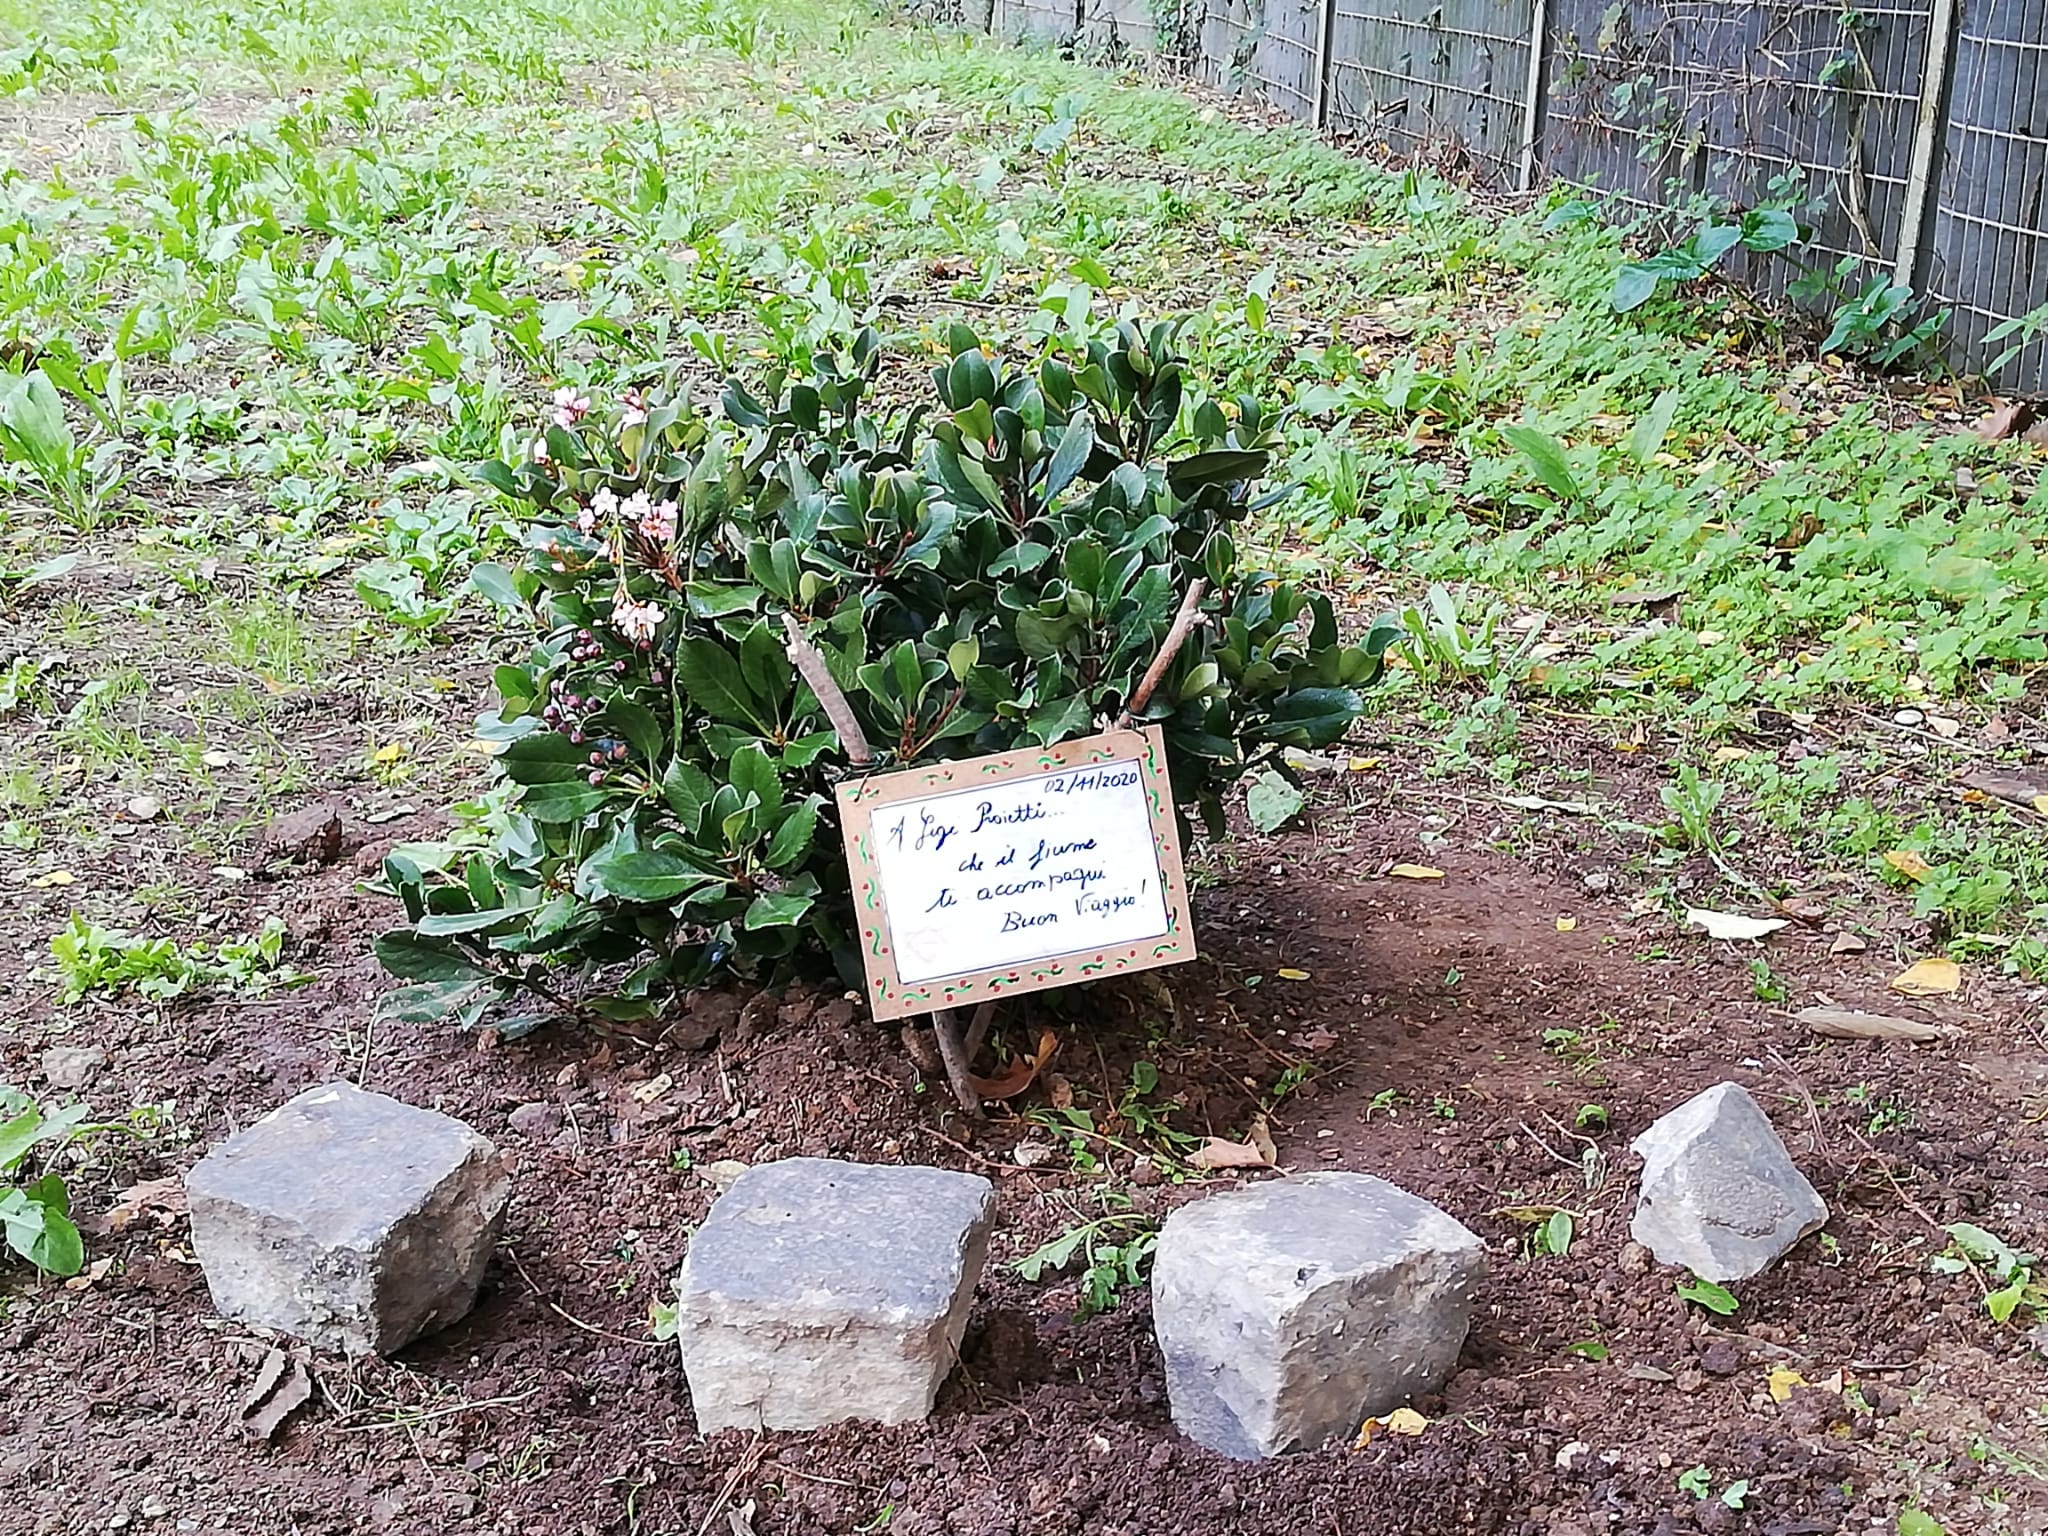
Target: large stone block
{"x":1290,"y":1311}
{"x":1720,"y":1194}
{"x":348,"y":1219}
{"x":819,"y":1291}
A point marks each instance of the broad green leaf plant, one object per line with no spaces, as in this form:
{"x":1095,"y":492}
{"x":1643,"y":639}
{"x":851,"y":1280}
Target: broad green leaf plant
{"x":996,"y":567}
{"x":35,"y":1214}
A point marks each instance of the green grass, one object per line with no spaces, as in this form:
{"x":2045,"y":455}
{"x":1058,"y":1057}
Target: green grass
{"x":301,"y":267}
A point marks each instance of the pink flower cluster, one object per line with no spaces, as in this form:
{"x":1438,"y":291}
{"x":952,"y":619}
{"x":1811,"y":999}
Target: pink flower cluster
{"x":655,"y":520}
{"x":604,"y":506}
{"x":570,"y":407}
{"x":636,"y":621}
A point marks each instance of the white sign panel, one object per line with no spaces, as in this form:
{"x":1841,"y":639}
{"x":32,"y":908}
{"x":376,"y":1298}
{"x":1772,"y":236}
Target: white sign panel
{"x":1009,"y":873}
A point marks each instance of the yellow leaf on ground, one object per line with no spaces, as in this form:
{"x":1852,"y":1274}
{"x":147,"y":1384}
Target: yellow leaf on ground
{"x":390,"y":752}
{"x":2041,"y":804}
{"x":1782,"y":1380}
{"x":1289,"y":973}
{"x":1909,"y":864}
{"x":1362,"y":764}
{"x":1567,"y":924}
{"x":1933,"y":977}
{"x":1402,"y":1421}
{"x":1415,"y":872}
{"x":54,"y":877}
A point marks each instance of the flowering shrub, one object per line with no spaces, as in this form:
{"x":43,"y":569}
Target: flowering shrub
{"x":997,"y":572}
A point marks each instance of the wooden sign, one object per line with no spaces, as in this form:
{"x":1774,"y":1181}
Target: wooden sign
{"x":1037,"y":868}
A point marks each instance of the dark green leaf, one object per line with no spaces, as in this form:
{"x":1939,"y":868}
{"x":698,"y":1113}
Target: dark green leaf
{"x":779,"y":910}
{"x":648,"y":875}
{"x":412,"y":958}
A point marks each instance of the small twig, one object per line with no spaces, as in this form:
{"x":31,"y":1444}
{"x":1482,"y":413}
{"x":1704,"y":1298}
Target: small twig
{"x":1183,"y":623}
{"x":1569,"y":1162}
{"x":749,"y":1463}
{"x":812,"y":666}
{"x":969,"y":1153}
{"x":816,"y":1477}
{"x":1913,"y":1205}
{"x":573,"y":1321}
{"x":1820,"y":1132}
{"x":952,"y":1051}
{"x":401,"y":1417}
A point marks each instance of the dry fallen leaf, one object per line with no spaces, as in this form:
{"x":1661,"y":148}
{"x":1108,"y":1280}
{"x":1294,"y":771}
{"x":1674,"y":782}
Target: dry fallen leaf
{"x":1848,"y":944}
{"x":1402,"y":1421}
{"x":1415,"y":872}
{"x":1848,"y":1024}
{"x":1255,"y":1151}
{"x":1545,"y":803}
{"x":1567,"y":924}
{"x":1023,"y":1071}
{"x":653,"y":1088}
{"x":163,"y":1197}
{"x":282,"y":1388}
{"x":1932,"y":977}
{"x":1909,"y":864}
{"x":2007,"y":418}
{"x":2024,"y":788}
{"x":1290,"y":973}
{"x":1782,"y":1380}
{"x":90,"y":1276}
{"x":1732,"y":925}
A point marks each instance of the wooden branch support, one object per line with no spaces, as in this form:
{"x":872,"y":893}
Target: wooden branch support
{"x":811,"y":666}
{"x":959,"y":1063}
{"x":1184,"y":623}
{"x":977,"y":1030}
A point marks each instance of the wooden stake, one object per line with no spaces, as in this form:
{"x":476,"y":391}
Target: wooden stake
{"x":1184,"y":623}
{"x":953,"y":1052}
{"x":811,"y":665}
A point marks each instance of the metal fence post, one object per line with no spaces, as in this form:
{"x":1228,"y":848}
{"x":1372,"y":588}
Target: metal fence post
{"x":1532,"y":98}
{"x":1929,"y":124}
{"x":1326,"y":27}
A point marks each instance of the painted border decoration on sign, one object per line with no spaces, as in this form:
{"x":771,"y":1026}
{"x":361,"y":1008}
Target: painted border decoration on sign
{"x":991,"y":876}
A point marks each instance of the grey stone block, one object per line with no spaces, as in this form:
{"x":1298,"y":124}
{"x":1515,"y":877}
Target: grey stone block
{"x":348,"y":1219}
{"x":1720,"y":1193}
{"x":819,"y":1291}
{"x":1290,"y":1311}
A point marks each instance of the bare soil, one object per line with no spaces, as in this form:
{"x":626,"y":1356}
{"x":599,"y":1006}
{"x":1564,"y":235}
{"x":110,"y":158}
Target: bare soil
{"x":1448,"y":1034}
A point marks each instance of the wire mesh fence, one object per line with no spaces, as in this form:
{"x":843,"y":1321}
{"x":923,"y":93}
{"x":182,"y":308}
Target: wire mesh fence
{"x":1911,"y":135}
{"x":1988,"y":258}
{"x":1678,"y":106}
{"x":1449,"y":80}
{"x":1267,"y":49}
